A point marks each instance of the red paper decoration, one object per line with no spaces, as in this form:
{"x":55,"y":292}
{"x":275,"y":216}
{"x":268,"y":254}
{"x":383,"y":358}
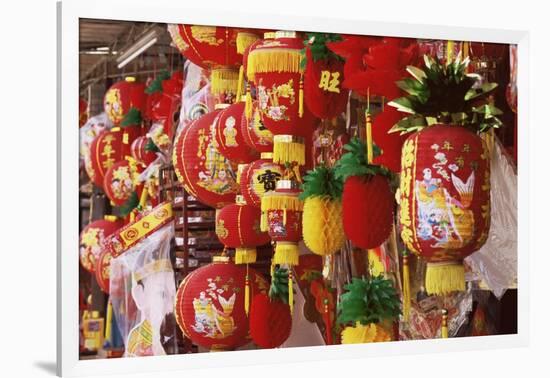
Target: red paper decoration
{"x":390,"y":144}
{"x":367,"y":207}
{"x":140,"y":153}
{"x":259,"y":178}
{"x":123,"y":96}
{"x":323,"y":92}
{"x":254,"y":132}
{"x":92,"y":239}
{"x":270,"y":322}
{"x":445,"y":193}
{"x":121,"y":181}
{"x":107,"y":148}
{"x":209,"y":305}
{"x":200,"y":167}
{"x":229,"y":137}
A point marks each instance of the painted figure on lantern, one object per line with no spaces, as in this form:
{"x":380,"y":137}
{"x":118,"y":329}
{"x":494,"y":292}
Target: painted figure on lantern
{"x":113,"y":104}
{"x":230,"y":133}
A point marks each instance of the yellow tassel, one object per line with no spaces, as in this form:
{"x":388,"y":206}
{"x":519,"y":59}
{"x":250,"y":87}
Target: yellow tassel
{"x":444,"y":278}
{"x":369,"y":138}
{"x":247,"y":292}
{"x":288,"y":150}
{"x":244,"y":40}
{"x":406,"y":289}
{"x":240,"y":84}
{"x":143,"y":197}
{"x":301,"y":99}
{"x":290,"y":291}
{"x":286,"y":253}
{"x":109,"y":321}
{"x":281,"y":201}
{"x":272,"y":270}
{"x":224,"y":80}
{"x":263,"y":221}
{"x":273,"y":60}
{"x":322,"y":226}
{"x":248,"y":103}
{"x":245,"y":255}
{"x":296,"y":170}
{"x":444,"y":325}
{"x":284,"y":216}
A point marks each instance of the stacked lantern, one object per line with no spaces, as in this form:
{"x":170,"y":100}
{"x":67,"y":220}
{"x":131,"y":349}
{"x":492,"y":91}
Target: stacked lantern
{"x":229,"y":137}
{"x":445,"y":201}
{"x":142,"y":151}
{"x":214,"y":47}
{"x":92,"y":239}
{"x":259,"y":178}
{"x":204,"y":172}
{"x":124,"y":102}
{"x":254,"y":132}
{"x":209,"y":304}
{"x":274,"y":67}
{"x":121,"y":181}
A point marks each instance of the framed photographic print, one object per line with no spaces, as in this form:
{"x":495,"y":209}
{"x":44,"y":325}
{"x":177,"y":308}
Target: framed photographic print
{"x":285,"y":186}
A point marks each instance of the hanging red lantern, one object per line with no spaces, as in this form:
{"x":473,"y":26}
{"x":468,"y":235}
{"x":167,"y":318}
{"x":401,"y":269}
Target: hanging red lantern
{"x":168,"y":108}
{"x":389,"y":143}
{"x":283,"y":217}
{"x":254,"y":132}
{"x":270,"y":321}
{"x":200,"y":167}
{"x":103,"y":270}
{"x":209,"y":304}
{"x":82,"y":112}
{"x":229,"y":137}
{"x":238,"y":226}
{"x":141,"y":152}
{"x":444,"y":201}
{"x":124,"y":102}
{"x":107,"y":148}
{"x":259,"y":178}
{"x":323,"y":92}
{"x":274,"y":67}
{"x":121,"y":180}
{"x":93,"y":237}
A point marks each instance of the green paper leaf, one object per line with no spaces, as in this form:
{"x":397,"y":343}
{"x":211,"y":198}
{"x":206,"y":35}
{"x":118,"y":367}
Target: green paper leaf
{"x":132,"y":118}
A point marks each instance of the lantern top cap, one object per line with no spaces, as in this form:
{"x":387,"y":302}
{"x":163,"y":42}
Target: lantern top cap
{"x":285,"y":34}
{"x":224,"y":259}
{"x":110,"y":218}
{"x":221,"y":106}
{"x":130,"y":79}
{"x":239,"y":199}
{"x":266,"y":155}
{"x":269,"y":35}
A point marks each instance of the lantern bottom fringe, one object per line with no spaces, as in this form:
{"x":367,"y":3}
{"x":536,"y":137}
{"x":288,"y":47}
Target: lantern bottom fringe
{"x":288,"y":152}
{"x":286,"y":253}
{"x":359,"y":334}
{"x":444,"y":278}
{"x":224,"y":80}
{"x":273,"y":60}
{"x":281,"y":202}
{"x":245,"y":255}
{"x":244,"y":40}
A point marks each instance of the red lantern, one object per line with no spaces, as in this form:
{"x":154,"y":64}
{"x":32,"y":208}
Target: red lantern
{"x":121,"y":181}
{"x":229,"y":137}
{"x":82,"y":112}
{"x":254,"y":133}
{"x":323,"y":92}
{"x":103,"y":270}
{"x":270,"y":321}
{"x":210,"y":301}
{"x":259,"y":178}
{"x":389,"y":143}
{"x":238,"y":226}
{"x":93,"y":237}
{"x":445,"y":201}
{"x":107,"y":148}
{"x":168,"y":108}
{"x":200,"y":167}
{"x":274,"y":66}
{"x":283,"y":217}
{"x":367,"y":209}
{"x":124,"y":98}
{"x":140,"y":152}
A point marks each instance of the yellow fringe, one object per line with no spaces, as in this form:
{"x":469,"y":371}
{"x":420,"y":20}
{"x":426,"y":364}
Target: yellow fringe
{"x":224,"y":80}
{"x":263,"y":221}
{"x":322,"y":226}
{"x":406,"y":289}
{"x":290,"y":291}
{"x":245,"y":255}
{"x":444,"y":332}
{"x":289,"y":152}
{"x":359,"y":334}
{"x":240,"y":84}
{"x":281,"y":201}
{"x":247,"y":292}
{"x":248,"y":103}
{"x":286,"y":253}
{"x":443,"y":278}
{"x":244,"y":40}
{"x":301,"y":98}
{"x":273,"y":60}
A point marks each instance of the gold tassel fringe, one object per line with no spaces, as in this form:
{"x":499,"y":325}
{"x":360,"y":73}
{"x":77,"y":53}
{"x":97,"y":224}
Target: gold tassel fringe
{"x":281,"y":201}
{"x":224,"y":80}
{"x":301,"y":99}
{"x":322,"y":226}
{"x":244,"y":40}
{"x":248,"y":103}
{"x":406,"y":289}
{"x":444,"y":278}
{"x":290,"y":291}
{"x":263,"y":221}
{"x":288,"y":152}
{"x":286,"y":253}
{"x":273,"y":60}
{"x":245,"y":255}
{"x":240,"y":84}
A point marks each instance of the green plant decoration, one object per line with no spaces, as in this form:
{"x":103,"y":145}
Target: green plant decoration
{"x":131,"y":203}
{"x":319,"y":50}
{"x":354,"y":162}
{"x":445,"y":93}
{"x":368,"y":301}
{"x":132,"y":118}
{"x":279,"y":285}
{"x":322,"y":181}
{"x":156,"y":84}
{"x":151,"y":146}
